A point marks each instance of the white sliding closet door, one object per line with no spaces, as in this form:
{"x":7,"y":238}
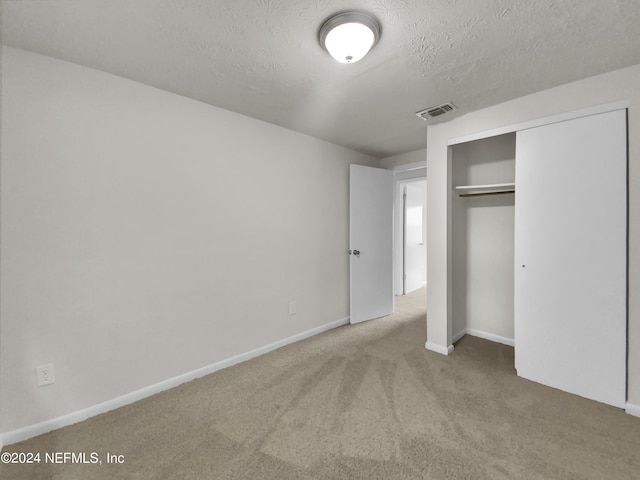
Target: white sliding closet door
{"x":571,"y":254}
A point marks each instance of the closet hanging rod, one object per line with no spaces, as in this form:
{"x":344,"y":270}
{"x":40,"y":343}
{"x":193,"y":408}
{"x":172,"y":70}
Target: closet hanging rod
{"x":479,"y":194}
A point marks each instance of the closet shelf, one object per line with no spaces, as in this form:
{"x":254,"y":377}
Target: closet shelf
{"x":477,"y":190}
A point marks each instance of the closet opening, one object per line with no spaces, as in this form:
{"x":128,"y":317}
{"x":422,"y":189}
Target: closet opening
{"x":483,"y":213}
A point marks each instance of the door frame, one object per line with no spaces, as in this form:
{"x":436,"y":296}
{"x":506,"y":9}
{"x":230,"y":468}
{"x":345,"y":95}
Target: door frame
{"x":404,"y":174}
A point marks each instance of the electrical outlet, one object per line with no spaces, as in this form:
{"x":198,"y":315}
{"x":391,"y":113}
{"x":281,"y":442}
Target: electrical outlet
{"x":46,"y":375}
{"x":293,"y":309}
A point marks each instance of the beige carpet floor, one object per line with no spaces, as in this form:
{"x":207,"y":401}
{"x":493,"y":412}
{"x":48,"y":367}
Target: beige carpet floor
{"x":358,"y":402}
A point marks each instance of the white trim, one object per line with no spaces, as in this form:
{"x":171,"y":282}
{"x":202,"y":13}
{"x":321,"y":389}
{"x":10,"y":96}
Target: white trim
{"x":459,"y":335}
{"x":410,"y":166}
{"x":31,"y":431}
{"x":487,"y":336}
{"x":585,"y":112}
{"x":439,"y":349}
{"x":491,"y":337}
{"x":410,"y":171}
{"x":411,"y":175}
{"x":632,"y":409}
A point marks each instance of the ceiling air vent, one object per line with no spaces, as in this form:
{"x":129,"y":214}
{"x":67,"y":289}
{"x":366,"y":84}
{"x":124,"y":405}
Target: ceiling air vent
{"x":433,"y":112}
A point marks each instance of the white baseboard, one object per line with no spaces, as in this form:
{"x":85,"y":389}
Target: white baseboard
{"x":491,"y":336}
{"x":632,"y":409}
{"x":459,"y":335}
{"x":469,"y":331}
{"x":31,"y":431}
{"x":438,"y":348}
{"x":480,"y":334}
{"x":487,"y":336}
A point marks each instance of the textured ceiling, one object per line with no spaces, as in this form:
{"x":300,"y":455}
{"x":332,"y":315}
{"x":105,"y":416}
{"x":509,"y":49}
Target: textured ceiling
{"x":261,"y":57}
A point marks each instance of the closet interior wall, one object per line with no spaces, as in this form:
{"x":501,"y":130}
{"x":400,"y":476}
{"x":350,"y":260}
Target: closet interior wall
{"x":483,"y":240}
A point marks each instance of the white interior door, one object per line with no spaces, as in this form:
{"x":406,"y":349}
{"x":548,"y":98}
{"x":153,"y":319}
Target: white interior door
{"x":371,"y":242}
{"x":414,"y":246}
{"x":570,"y":256}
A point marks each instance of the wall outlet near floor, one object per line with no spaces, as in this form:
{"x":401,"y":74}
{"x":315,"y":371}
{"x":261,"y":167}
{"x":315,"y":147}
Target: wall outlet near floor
{"x":293,"y":308}
{"x":46,"y":375}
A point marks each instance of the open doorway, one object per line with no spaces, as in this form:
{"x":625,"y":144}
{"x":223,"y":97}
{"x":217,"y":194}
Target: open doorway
{"x":380,"y":268}
{"x":414,"y":254}
{"x":410,"y":230}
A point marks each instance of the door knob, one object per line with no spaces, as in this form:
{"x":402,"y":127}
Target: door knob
{"x":356,"y":252}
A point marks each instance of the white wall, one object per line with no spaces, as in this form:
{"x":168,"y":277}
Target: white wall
{"x":145,"y":235}
{"x":482,"y":240}
{"x":415,"y":156}
{"x":614,"y":86}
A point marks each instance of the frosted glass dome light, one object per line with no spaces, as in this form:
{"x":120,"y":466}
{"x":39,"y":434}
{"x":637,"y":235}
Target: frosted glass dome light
{"x":349,"y":36}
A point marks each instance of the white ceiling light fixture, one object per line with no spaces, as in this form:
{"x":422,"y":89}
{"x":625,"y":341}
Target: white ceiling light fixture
{"x":348,"y":36}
